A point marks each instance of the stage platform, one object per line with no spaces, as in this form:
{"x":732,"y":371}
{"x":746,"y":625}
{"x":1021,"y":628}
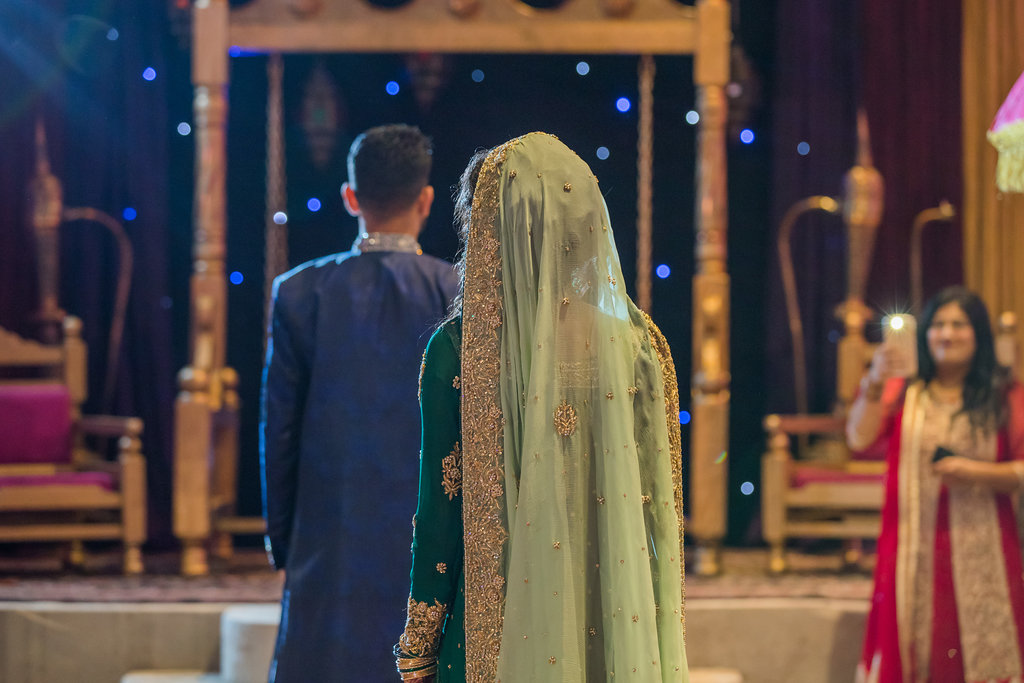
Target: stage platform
{"x":95,"y":627}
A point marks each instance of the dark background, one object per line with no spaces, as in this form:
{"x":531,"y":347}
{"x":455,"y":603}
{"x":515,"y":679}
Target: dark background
{"x":803,"y":67}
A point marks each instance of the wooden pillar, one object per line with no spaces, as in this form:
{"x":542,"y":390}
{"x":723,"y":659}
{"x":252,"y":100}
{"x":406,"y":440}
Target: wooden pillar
{"x":709,"y":442}
{"x":209,"y":76}
{"x":200,"y":393}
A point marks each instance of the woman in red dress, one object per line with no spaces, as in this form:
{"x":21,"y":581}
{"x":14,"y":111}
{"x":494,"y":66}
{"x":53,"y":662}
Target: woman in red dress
{"x":948,"y":601}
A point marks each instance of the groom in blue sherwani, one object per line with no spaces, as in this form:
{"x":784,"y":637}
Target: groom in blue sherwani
{"x":340,"y":423}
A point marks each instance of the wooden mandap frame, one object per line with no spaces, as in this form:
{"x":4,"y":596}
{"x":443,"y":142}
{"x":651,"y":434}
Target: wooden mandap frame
{"x":205,"y":458}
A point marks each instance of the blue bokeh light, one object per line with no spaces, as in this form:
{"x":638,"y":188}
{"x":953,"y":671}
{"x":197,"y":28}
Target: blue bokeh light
{"x":113,"y":35}
{"x":477,"y":75}
{"x":582,"y":68}
{"x":663,"y":271}
{"x":623,"y":104}
{"x":184,"y":128}
{"x":129,"y":213}
{"x":236,"y":277}
{"x":746,"y":488}
{"x":313,"y":204}
{"x":803,"y":149}
{"x":149,"y":73}
{"x":746,"y":136}
{"x":684,"y":417}
{"x":234,"y":51}
{"x":280,"y":218}
{"x":392,"y":88}
{"x":692,"y":117}
{"x":602,"y":153}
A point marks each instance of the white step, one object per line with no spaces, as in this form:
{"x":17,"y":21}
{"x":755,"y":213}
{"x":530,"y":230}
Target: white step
{"x":696,"y":676}
{"x":170,"y":676}
{"x":247,"y":637}
{"x":715,"y":676}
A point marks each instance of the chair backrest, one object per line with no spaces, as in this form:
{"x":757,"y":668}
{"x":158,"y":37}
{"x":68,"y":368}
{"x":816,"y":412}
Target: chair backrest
{"x":58,"y":363}
{"x":35,"y":424}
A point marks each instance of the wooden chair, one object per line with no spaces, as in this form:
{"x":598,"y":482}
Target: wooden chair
{"x":836,"y":497}
{"x":53,"y":488}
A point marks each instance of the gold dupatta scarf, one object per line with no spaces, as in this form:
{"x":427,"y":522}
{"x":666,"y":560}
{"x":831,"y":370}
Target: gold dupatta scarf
{"x":988,"y":633}
{"x":572,"y":495}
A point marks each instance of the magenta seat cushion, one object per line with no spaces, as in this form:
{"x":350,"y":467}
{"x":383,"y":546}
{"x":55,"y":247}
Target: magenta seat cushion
{"x":35,"y":423}
{"x":814,"y":475}
{"x":101,"y":479}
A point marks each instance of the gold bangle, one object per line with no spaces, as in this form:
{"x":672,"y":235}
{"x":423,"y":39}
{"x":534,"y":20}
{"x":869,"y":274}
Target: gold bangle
{"x":419,"y":673}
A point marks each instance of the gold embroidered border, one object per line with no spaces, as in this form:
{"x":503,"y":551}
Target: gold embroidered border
{"x":907,"y":531}
{"x":675,"y":441}
{"x":483,"y":427}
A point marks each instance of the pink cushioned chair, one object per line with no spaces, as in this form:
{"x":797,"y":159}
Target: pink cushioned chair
{"x":52,"y":487}
{"x":840,"y":499}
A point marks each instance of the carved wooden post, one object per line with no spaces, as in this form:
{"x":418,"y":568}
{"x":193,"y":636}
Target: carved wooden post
{"x":775,"y":465}
{"x":133,"y":488}
{"x":709,"y":442}
{"x":47,"y":204}
{"x":200,"y":393}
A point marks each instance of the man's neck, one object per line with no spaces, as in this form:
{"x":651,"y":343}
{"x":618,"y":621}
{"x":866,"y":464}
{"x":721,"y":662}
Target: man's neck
{"x":402,"y":224}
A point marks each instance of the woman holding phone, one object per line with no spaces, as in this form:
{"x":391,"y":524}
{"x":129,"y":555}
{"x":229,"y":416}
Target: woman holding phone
{"x":948,"y":601}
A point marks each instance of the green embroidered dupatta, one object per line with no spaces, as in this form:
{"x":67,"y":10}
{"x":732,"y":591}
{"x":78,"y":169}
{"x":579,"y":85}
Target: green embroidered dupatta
{"x":572,"y":496}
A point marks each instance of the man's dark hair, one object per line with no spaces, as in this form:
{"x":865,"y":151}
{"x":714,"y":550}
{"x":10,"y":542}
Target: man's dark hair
{"x":388,"y":166}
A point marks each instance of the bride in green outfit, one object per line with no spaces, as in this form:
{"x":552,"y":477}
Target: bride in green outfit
{"x":548,"y":542}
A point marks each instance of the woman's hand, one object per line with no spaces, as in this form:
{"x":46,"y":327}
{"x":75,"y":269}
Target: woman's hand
{"x":884,"y":363}
{"x":957,"y":471}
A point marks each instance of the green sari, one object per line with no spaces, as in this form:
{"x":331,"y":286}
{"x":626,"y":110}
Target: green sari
{"x":548,"y":537}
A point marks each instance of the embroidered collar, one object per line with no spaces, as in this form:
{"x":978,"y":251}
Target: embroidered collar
{"x":386,"y":241}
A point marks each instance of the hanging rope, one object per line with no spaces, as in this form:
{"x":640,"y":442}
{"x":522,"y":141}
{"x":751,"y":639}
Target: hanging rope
{"x":644,"y":174}
{"x":275,"y":259}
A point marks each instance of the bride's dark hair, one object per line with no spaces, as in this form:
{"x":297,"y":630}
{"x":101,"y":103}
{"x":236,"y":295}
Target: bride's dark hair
{"x":463,"y":196}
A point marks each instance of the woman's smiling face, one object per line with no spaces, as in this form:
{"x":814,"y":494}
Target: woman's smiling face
{"x":951,"y":339}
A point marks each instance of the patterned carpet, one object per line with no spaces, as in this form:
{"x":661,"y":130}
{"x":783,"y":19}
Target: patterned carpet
{"x":248,"y":578}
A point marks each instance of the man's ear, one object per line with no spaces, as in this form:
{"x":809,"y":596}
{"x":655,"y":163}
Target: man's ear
{"x":425,"y":201}
{"x":348,"y":195}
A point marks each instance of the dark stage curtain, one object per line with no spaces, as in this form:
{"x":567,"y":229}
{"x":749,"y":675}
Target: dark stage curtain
{"x":79,"y":66}
{"x":901,"y":62}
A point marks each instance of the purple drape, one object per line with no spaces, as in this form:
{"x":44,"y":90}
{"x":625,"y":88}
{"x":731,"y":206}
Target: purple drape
{"x":81,"y":69}
{"x":901,"y":62}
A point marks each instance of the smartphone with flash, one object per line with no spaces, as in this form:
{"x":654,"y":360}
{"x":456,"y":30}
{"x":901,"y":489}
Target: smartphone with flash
{"x":899,"y":331}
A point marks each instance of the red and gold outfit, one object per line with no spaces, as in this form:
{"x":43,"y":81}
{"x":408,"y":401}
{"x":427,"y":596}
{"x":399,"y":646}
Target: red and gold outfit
{"x":948,"y":600}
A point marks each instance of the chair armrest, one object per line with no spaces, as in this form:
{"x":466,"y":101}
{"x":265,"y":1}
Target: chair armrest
{"x":109,"y":425}
{"x":91,"y":463}
{"x":867,"y":467}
